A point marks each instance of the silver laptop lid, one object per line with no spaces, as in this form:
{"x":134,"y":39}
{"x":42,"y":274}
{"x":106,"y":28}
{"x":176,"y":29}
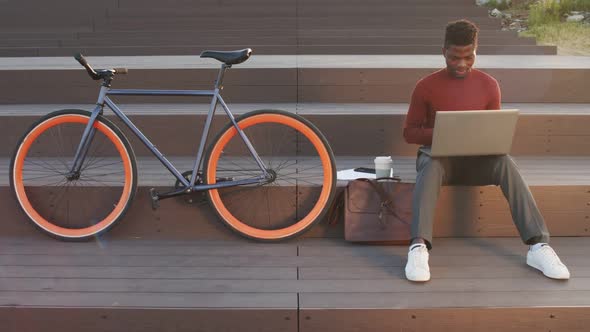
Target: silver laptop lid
{"x":473,"y":133}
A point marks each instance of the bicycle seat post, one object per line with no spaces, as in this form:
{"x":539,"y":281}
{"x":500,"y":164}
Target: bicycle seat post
{"x":219,"y":80}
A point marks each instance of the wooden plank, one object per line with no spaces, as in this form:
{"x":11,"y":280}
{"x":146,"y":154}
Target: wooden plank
{"x":149,"y":300}
{"x":443,"y":300}
{"x":194,"y":47}
{"x":206,"y":286}
{"x":174,"y":40}
{"x":190,"y":3}
{"x":135,"y":23}
{"x":205,"y":11}
{"x":393,"y":9}
{"x":176,"y":220}
{"x":99,"y":249}
{"x":562,"y":241}
{"x":142,"y":319}
{"x":403,"y":40}
{"x":380,"y":2}
{"x":269,"y":261}
{"x":168,"y":273}
{"x":457,"y":242}
{"x":466,"y":247}
{"x":380,"y":134}
{"x":387,"y":22}
{"x":391,"y":85}
{"x":429,"y":49}
{"x":315,"y":85}
{"x":239,"y":85}
{"x":437,"y":272}
{"x":407,"y":31}
{"x":452,"y":319}
{"x":305,"y":10}
{"x":270,"y":43}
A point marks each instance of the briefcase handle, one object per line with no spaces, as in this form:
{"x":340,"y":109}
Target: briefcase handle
{"x":334,"y":211}
{"x":385,"y":201}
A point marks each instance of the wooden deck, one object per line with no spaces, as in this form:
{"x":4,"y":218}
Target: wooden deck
{"x":301,"y":285}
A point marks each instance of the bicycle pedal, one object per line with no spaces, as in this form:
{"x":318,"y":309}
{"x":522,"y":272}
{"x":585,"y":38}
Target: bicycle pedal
{"x":195,"y":198}
{"x":155,"y":199}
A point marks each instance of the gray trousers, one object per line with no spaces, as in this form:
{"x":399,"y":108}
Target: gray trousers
{"x":474,"y":171}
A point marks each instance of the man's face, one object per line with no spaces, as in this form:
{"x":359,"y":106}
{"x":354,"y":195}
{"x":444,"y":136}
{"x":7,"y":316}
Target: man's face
{"x":459,"y":59}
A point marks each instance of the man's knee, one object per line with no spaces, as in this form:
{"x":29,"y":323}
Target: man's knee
{"x":505,"y":162}
{"x":428,"y":164}
{"x":504,"y":166}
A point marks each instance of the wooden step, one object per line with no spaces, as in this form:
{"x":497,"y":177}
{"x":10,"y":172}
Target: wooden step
{"x":292,"y":16}
{"x":304,"y":285}
{"x":266,"y":49}
{"x":542,"y":129}
{"x":560,"y":185}
{"x":301,"y":32}
{"x":291,"y":78}
{"x":227,"y":41}
{"x":309,"y":10}
{"x":112,"y":24}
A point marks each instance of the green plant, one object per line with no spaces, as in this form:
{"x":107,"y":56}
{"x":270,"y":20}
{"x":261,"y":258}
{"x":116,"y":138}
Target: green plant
{"x":498,"y":4}
{"x":571,"y":38}
{"x":544,"y":12}
{"x":551,"y":11}
{"x":567,"y":6}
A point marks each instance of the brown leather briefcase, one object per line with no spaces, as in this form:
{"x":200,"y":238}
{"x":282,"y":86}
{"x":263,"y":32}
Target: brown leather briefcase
{"x":378,"y":210}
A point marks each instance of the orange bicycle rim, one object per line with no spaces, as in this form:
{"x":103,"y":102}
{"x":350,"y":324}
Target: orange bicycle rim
{"x":326,"y":185}
{"x":24,"y":200}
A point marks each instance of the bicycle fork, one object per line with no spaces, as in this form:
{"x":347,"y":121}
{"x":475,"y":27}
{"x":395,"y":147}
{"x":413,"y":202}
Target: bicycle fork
{"x":87,"y":137}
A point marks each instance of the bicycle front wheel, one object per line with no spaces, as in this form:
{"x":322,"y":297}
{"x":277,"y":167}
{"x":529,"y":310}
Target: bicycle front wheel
{"x":293,"y":150}
{"x":73,"y":207}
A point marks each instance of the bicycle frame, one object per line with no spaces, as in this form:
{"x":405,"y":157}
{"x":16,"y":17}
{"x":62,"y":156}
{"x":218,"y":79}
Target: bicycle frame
{"x":189,"y":185}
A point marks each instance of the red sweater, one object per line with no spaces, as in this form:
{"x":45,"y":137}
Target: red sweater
{"x":441,"y":92}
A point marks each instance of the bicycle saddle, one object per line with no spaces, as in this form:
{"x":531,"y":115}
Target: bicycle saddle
{"x":228,"y":57}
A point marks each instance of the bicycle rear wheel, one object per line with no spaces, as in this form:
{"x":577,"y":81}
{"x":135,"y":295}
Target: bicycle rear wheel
{"x":73,"y":208}
{"x":296,"y":152}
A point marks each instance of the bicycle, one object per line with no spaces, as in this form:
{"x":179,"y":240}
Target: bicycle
{"x":74,"y":173}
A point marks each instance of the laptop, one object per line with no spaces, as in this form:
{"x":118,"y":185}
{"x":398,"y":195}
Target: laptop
{"x":473,"y":133}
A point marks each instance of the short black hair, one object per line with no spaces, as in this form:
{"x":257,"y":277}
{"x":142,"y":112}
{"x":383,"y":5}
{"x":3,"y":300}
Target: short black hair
{"x":461,"y":33}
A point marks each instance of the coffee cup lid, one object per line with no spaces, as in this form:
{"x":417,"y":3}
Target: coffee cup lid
{"x":383,"y":158}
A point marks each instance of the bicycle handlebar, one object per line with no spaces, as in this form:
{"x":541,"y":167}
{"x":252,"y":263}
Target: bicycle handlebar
{"x":101,"y":73}
{"x":82,"y":60}
{"x":121,"y":71}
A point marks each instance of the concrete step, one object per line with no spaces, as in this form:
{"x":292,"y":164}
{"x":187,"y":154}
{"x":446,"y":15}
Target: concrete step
{"x":372,"y":129}
{"x":293,"y":78}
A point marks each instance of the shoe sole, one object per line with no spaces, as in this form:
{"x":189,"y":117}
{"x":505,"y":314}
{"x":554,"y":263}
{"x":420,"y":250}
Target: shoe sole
{"x":533,"y":265}
{"x":417,"y":280}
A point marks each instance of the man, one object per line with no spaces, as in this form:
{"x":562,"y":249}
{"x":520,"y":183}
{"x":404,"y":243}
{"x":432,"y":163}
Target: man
{"x":460,"y":87}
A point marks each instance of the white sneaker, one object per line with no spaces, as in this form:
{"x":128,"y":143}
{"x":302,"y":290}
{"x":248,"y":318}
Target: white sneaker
{"x":417,"y":266}
{"x":545,"y":260}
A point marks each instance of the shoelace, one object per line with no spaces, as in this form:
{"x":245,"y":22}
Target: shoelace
{"x":418,"y":255}
{"x":551,"y":255}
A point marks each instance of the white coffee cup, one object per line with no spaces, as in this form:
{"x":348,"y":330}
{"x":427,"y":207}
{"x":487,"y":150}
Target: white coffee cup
{"x":383,"y":167}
